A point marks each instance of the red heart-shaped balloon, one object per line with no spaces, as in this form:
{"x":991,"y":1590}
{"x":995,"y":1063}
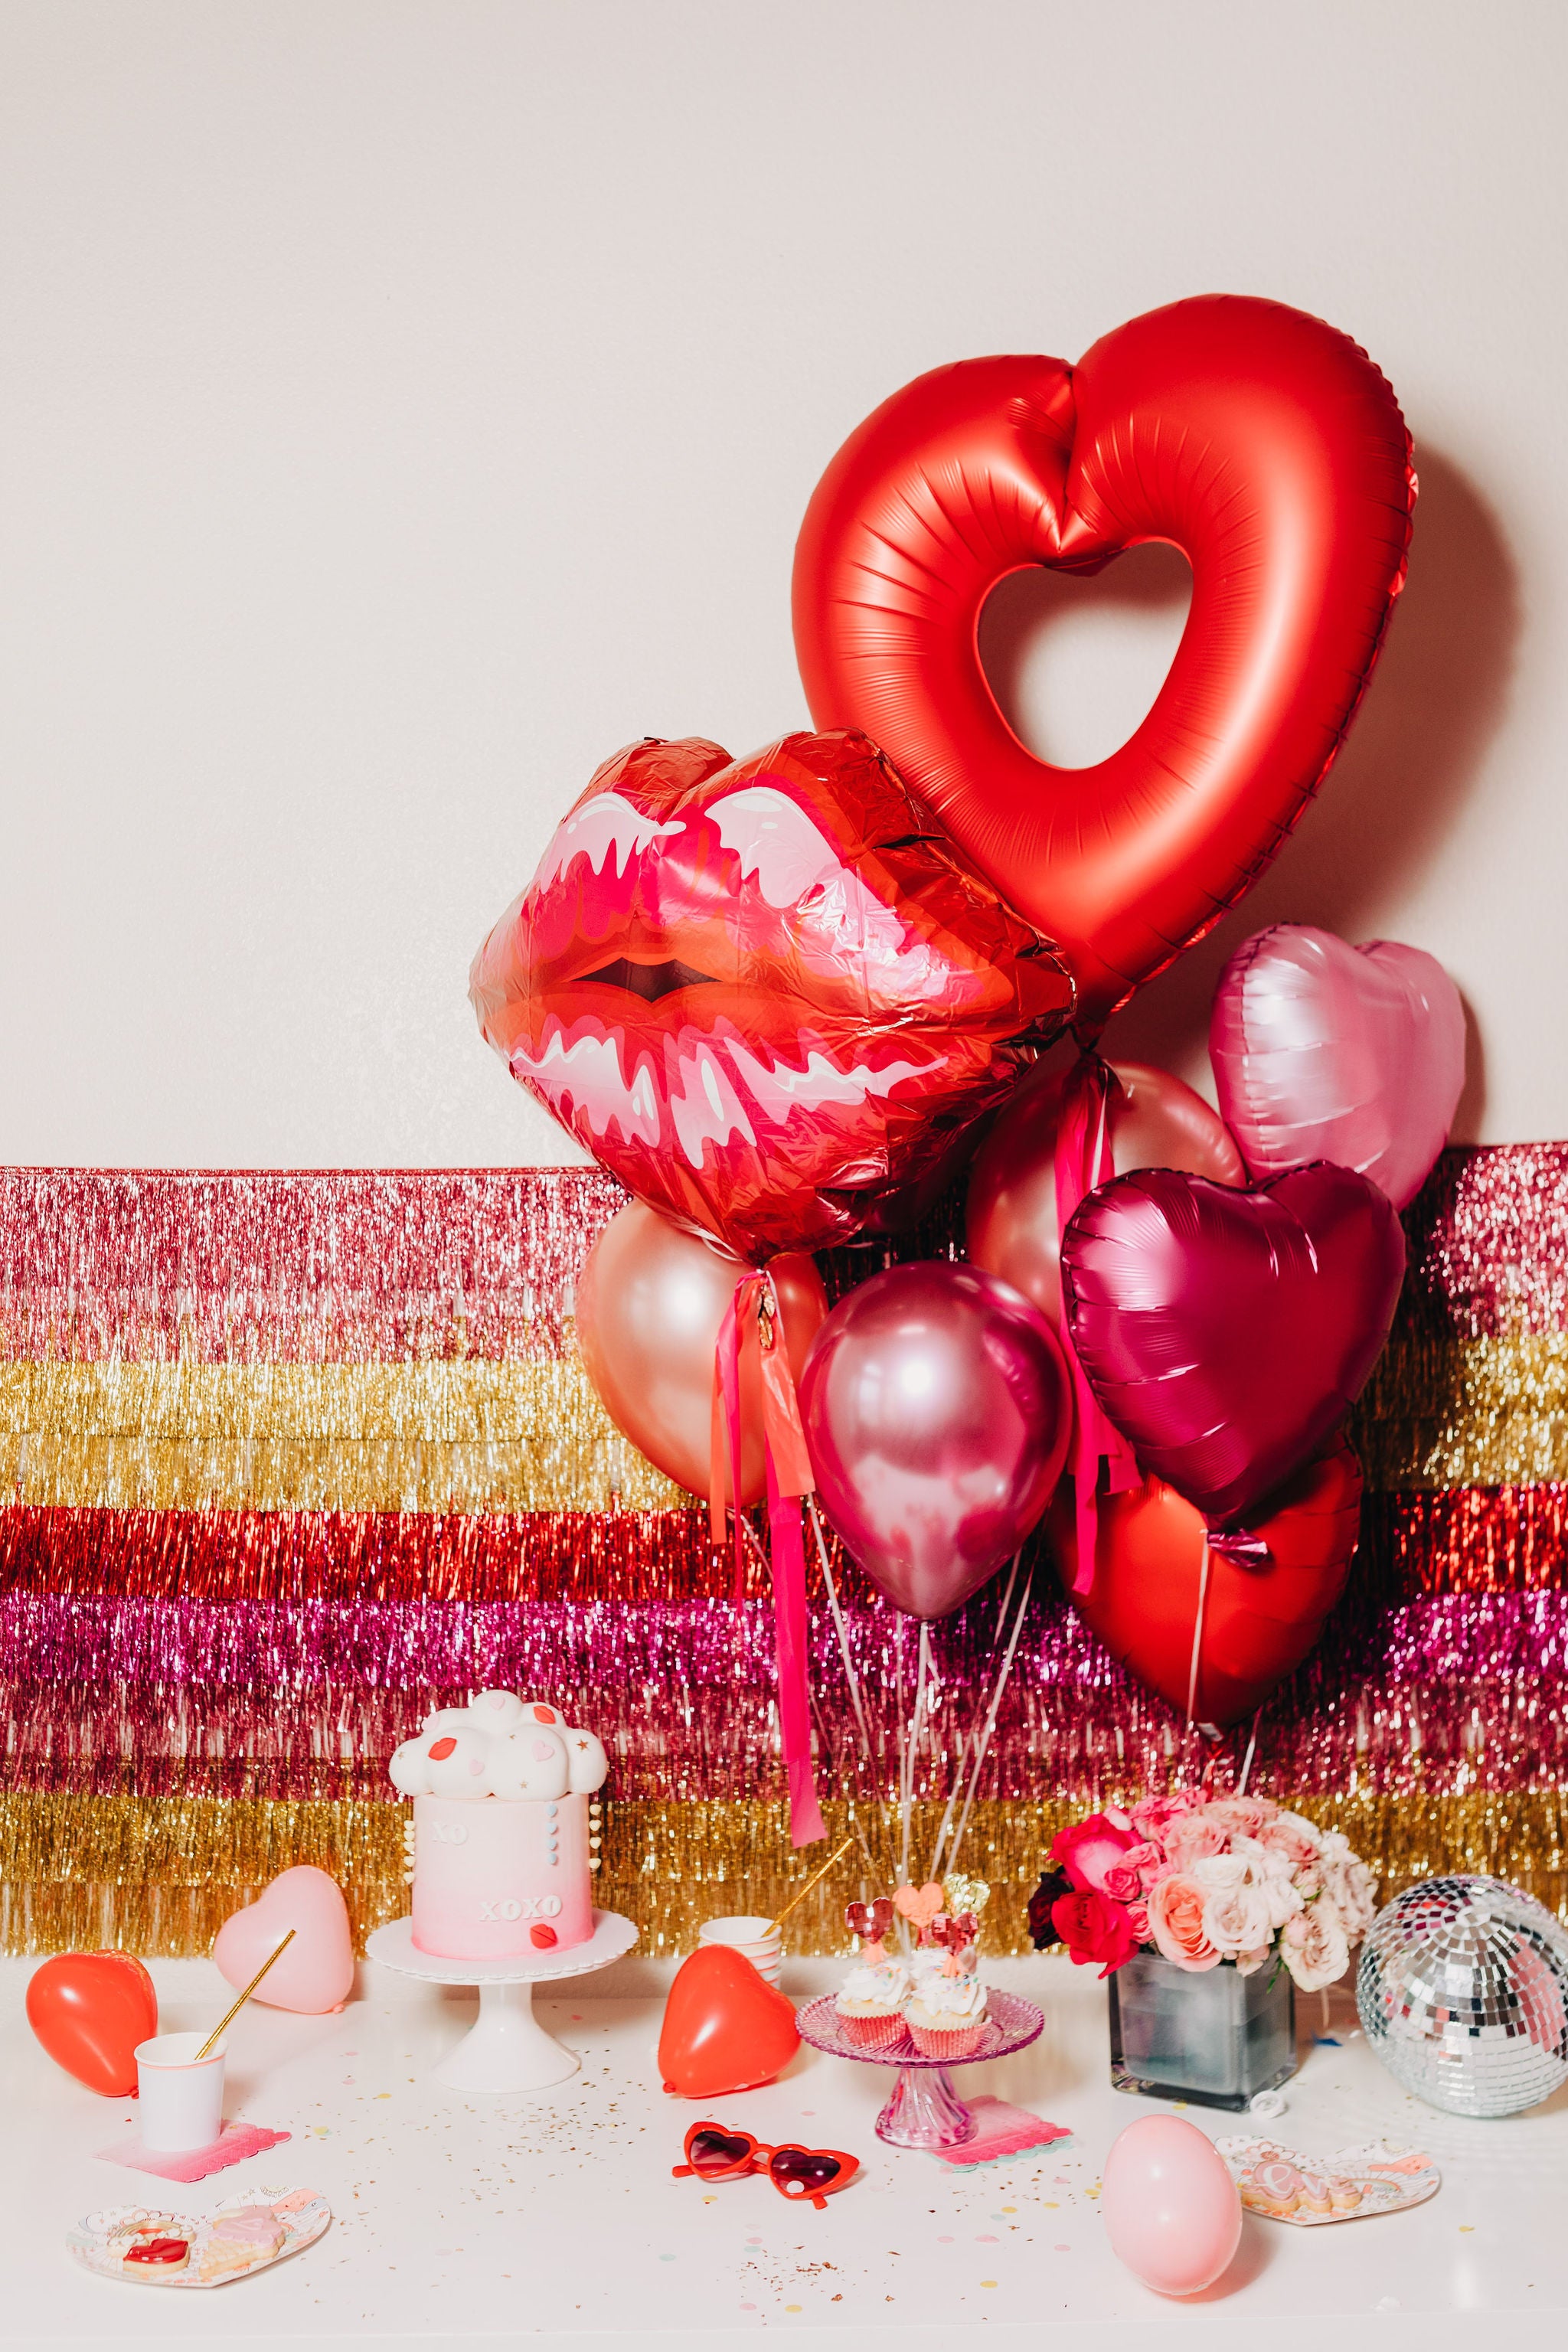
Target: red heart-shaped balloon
{"x":89,"y":2009}
{"x":1227,"y":1334}
{"x":754,"y":991}
{"x":725,"y":2027}
{"x":1259,"y":1621}
{"x":1261,"y":442}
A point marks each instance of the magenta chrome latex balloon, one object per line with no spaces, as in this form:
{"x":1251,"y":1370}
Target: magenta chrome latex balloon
{"x":937,"y":1413}
{"x":1323,"y":1051}
{"x":1226,"y":1334}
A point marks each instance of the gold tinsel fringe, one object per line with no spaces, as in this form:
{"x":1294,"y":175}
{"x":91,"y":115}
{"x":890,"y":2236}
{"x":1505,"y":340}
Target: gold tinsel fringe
{"x":470,"y":1436}
{"x":1467,"y":1413}
{"x":160,"y":1876}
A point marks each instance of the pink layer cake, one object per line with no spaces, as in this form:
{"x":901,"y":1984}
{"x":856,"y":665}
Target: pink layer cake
{"x":503,"y":1841}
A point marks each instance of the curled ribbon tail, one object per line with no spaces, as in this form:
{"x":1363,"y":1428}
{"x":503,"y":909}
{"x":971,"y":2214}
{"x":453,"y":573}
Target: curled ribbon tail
{"x":1084,"y":1160}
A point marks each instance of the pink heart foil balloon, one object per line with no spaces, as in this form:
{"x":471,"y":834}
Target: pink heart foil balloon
{"x":317,"y":1972}
{"x":1226,"y":1334}
{"x":1323,"y":1051}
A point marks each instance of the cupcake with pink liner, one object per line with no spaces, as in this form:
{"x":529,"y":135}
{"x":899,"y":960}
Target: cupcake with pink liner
{"x":946,"y":2015}
{"x":870,"y":2008}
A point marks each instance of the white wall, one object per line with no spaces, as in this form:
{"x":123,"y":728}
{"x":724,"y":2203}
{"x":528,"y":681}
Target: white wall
{"x":406,"y":402}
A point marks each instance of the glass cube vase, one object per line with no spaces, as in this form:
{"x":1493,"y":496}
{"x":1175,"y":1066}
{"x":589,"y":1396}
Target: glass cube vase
{"x":1214,"y":2037}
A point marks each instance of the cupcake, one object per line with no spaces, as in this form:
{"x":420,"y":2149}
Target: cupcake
{"x":870,"y":2009}
{"x":946,"y":2015}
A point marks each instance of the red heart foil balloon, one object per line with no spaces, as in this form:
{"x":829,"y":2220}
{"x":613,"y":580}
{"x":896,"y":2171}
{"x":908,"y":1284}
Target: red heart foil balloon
{"x":1227,"y":1334}
{"x":1323,"y":1051}
{"x":756,"y":994}
{"x":725,"y":2027}
{"x":1261,"y":442}
{"x":1259,"y":1620}
{"x":89,"y":2009}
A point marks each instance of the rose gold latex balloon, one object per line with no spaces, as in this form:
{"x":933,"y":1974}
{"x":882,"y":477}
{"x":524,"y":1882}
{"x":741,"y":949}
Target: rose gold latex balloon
{"x":1156,"y":1122}
{"x":649,"y":1303}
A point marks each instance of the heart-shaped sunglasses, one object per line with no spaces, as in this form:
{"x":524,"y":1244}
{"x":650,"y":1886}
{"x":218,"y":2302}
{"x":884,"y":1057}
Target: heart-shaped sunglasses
{"x":714,"y":2154}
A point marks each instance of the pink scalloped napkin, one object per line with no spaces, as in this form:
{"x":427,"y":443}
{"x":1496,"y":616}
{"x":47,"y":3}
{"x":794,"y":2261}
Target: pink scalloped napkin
{"x":232,"y":2146}
{"x":1002,"y":2130}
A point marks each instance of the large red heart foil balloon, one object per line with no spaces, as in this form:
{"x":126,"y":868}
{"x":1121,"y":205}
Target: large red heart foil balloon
{"x":757,"y":991}
{"x":1261,"y":442}
{"x":725,"y":2027}
{"x":1261,"y":1615}
{"x":89,"y":2009}
{"x":1226,"y":1334}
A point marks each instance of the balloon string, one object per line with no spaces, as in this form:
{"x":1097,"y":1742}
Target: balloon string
{"x":908,"y":1793}
{"x":1197,"y":1640}
{"x":991,"y":1714}
{"x":873,"y":1747}
{"x":1247,"y":1759}
{"x":972,"y":1733}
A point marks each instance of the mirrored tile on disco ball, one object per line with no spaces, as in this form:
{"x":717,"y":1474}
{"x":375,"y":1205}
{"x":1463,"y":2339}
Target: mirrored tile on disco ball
{"x":1463,"y":1994}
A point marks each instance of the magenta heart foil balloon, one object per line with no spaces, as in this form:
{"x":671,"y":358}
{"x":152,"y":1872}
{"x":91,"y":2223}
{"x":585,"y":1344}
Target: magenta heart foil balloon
{"x":937,"y":1412}
{"x":1226,"y":1334}
{"x":1324,"y":1051}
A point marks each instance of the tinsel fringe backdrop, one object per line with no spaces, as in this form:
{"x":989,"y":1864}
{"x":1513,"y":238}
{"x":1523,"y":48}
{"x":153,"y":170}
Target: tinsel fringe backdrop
{"x":293,"y":1458}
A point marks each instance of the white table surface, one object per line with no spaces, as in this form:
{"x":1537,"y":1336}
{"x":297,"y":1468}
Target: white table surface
{"x":553,"y":2221}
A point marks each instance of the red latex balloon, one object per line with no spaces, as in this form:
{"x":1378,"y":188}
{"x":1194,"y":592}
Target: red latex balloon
{"x":725,"y":2027}
{"x":1154,"y":1121}
{"x":89,"y":2009}
{"x":650,"y":1301}
{"x":937,"y":1412}
{"x":1261,"y":442}
{"x":759,"y":993}
{"x":1259,"y":1621}
{"x":1227,"y":1334}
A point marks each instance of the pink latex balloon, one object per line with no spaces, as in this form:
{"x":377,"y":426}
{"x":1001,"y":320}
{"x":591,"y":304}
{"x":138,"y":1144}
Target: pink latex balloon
{"x":1155,"y":1121}
{"x":317,"y":1972}
{"x":1324,"y":1051}
{"x":650,"y":1300}
{"x":1172,"y":2212}
{"x":1227,"y":1334}
{"x":937,"y":1412}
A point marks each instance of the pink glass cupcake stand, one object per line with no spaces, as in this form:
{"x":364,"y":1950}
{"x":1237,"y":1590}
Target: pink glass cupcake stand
{"x":924,"y":2110}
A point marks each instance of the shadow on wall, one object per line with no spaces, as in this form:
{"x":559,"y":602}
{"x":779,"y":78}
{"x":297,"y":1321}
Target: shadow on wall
{"x":1414,"y":752}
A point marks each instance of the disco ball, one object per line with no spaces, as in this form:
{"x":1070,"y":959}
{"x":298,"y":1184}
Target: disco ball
{"x":1463,"y":1994}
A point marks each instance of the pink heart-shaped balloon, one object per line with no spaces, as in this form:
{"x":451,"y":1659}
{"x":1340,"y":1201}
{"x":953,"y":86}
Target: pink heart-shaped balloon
{"x":1324,"y":1051}
{"x":317,"y":1972}
{"x":919,"y":1904}
{"x":1226,"y":1334}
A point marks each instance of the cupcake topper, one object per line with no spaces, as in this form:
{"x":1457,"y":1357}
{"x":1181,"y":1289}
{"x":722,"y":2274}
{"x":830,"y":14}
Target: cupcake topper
{"x":965,"y":1894}
{"x":956,"y":1933}
{"x":870,"y":1922}
{"x":919,"y":1906}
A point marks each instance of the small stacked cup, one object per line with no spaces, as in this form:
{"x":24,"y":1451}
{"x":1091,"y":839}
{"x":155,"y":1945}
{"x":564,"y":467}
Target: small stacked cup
{"x":761,"y":1941}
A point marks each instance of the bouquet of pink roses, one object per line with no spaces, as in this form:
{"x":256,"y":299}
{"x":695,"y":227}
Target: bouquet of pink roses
{"x":1201,"y":1881}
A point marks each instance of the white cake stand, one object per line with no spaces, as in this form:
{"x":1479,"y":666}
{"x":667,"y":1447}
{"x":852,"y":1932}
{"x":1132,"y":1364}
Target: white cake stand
{"x":508,"y":2049}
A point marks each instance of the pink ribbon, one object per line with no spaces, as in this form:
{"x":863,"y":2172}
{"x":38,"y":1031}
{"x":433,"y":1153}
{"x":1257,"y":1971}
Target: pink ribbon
{"x":1084,"y":1161}
{"x":753,"y":1317}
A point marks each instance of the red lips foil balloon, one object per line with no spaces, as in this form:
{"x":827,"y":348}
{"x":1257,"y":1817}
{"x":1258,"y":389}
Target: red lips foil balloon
{"x":759,"y":991}
{"x":1260,"y":442}
{"x":1226,"y":1334}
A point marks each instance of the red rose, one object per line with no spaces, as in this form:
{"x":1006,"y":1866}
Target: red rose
{"x":1090,"y":1848}
{"x":1094,"y":1928}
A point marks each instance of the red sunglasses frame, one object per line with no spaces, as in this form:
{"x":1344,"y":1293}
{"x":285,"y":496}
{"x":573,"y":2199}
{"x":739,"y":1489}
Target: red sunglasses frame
{"x":758,"y":2158}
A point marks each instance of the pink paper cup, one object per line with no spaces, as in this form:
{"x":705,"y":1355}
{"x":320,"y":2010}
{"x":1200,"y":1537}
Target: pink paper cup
{"x":181,"y":2098}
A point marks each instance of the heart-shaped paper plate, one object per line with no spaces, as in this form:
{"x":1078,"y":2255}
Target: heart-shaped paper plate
{"x":101,"y":2242}
{"x":1257,"y":440}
